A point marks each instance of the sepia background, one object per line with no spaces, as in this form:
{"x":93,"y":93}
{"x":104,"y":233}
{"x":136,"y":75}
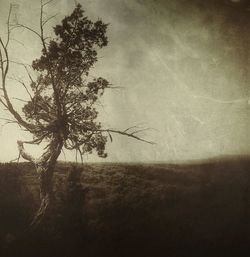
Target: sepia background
{"x":181,"y":67}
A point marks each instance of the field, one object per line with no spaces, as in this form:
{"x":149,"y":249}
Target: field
{"x":122,"y":210}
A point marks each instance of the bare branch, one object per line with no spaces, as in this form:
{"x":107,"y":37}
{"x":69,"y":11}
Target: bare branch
{"x":22,"y":151}
{"x":25,"y":87}
{"x":110,"y":86}
{"x":130,"y":128}
{"x":19,"y":42}
{"x":28,"y":73}
{"x":24,"y":154}
{"x":4,"y":70}
{"x":28,"y":28}
{"x":17,"y":159}
{"x":140,"y":130}
{"x":46,"y":3}
{"x":4,"y":104}
{"x":8,"y":120}
{"x":21,"y":100}
{"x":49,"y":18}
{"x":7,"y":102}
{"x":19,"y":63}
{"x":36,"y":141}
{"x":8,"y":27}
{"x":132,"y":134}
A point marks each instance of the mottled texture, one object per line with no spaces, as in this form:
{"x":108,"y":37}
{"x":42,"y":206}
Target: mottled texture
{"x":183,"y":66}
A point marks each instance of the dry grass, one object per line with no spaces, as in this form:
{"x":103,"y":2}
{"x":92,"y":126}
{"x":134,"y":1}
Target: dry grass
{"x":195,"y":209}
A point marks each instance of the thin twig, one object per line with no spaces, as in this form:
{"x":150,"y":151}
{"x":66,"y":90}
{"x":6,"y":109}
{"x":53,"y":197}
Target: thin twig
{"x":28,"y":28}
{"x":49,"y":18}
{"x":124,"y":134}
{"x":25,"y":87}
{"x":21,"y":100}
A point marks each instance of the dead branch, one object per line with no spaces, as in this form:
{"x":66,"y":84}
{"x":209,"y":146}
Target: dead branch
{"x":49,"y":18}
{"x":8,"y":27}
{"x":46,"y":3}
{"x":17,"y":41}
{"x":28,"y":28}
{"x":4,"y":66}
{"x":19,"y":99}
{"x":128,"y":134}
{"x":24,"y":86}
{"x":24,"y":154}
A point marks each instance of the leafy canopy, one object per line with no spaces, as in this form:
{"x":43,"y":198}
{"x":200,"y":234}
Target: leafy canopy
{"x":64,"y":97}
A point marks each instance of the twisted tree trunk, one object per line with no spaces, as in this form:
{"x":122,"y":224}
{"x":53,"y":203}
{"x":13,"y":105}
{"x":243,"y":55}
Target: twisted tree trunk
{"x":45,"y":166}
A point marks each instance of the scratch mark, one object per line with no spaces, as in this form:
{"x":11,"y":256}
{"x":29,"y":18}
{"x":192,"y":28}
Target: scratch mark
{"x":179,"y":125}
{"x":220,"y":101}
{"x":198,"y":120}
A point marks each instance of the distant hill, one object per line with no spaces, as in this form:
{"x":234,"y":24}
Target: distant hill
{"x":200,"y":208}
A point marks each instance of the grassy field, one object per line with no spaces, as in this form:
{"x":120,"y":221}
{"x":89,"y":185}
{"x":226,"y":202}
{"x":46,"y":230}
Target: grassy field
{"x":123,"y":210}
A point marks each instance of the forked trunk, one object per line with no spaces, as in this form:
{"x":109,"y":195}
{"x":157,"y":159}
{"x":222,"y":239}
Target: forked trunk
{"x":45,"y":168}
{"x":46,"y":195}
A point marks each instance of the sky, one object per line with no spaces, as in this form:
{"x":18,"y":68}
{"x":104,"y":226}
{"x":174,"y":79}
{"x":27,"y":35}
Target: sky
{"x":182,"y":69}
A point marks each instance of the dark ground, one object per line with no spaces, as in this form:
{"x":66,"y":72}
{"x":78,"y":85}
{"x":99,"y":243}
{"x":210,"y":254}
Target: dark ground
{"x":123,"y":210}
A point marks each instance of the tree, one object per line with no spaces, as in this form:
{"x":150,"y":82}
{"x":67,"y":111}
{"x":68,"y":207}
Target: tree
{"x":61,"y":110}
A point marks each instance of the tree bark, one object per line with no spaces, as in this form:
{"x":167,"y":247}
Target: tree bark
{"x":45,"y":166}
{"x":45,"y":173}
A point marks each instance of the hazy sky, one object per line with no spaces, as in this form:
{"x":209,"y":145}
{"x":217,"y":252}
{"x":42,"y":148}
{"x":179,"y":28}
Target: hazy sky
{"x":183,"y":69}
